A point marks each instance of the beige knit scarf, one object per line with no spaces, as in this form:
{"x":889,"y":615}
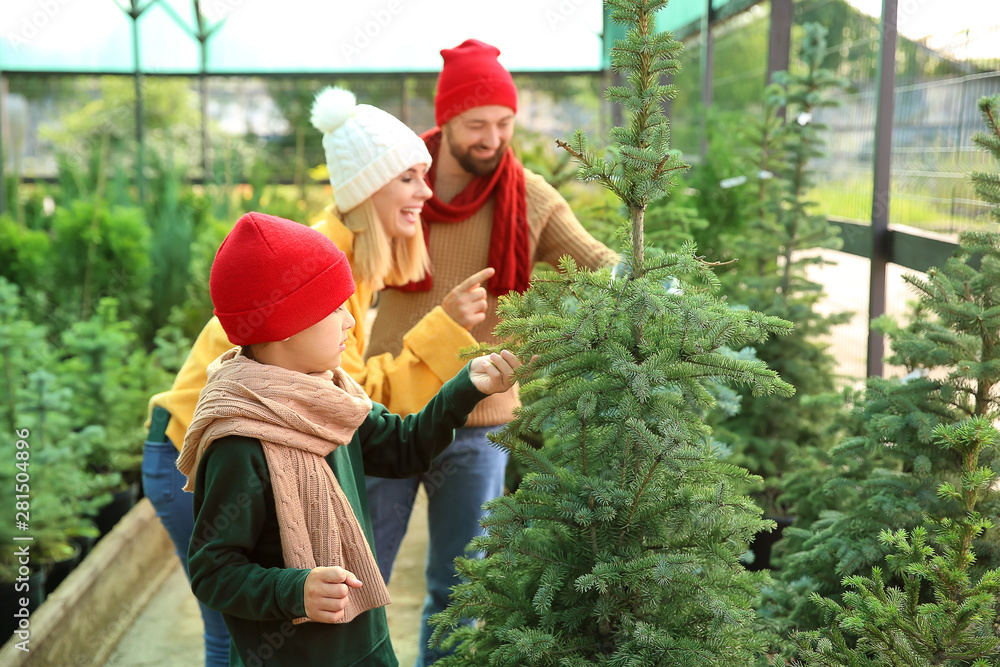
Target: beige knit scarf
{"x":299,"y":418}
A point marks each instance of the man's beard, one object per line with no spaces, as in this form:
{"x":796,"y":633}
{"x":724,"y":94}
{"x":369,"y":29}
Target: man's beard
{"x":478,"y":166}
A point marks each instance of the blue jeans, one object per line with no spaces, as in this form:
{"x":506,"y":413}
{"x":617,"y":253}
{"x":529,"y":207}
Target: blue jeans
{"x":163,"y":484}
{"x":463,"y":477}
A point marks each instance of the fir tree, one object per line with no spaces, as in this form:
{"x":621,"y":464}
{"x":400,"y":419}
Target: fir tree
{"x":879,"y":625}
{"x":772,"y":277}
{"x":988,"y":184}
{"x":887,"y":477}
{"x":621,"y":545}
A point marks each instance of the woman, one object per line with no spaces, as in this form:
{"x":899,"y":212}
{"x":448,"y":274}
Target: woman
{"x":377,"y":168}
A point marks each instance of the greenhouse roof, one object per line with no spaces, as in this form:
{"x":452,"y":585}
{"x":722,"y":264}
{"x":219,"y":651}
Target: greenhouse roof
{"x":310,"y":36}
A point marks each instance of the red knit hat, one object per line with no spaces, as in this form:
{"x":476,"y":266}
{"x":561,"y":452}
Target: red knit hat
{"x":273,"y":278}
{"x":472,"y":77}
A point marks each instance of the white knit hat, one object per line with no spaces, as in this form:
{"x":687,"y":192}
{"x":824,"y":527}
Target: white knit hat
{"x":365,"y":146}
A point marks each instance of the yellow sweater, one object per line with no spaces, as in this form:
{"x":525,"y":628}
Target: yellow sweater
{"x":460,"y":249}
{"x":402,"y":382}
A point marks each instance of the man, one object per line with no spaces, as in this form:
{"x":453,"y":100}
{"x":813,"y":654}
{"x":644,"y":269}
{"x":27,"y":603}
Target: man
{"x":487,"y":211}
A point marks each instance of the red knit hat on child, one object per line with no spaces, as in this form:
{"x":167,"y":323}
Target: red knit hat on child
{"x":273,"y":278}
{"x":472,"y":77}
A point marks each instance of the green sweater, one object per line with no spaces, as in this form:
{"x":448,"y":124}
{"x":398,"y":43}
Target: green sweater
{"x":235,"y":559}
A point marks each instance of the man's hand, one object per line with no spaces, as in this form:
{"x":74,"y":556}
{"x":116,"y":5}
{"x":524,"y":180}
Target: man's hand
{"x":466,"y":302}
{"x":492,"y":373}
{"x":326,"y":593}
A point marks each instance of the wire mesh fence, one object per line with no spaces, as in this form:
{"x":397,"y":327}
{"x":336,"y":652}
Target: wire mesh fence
{"x":932,"y":154}
{"x":256,"y":129}
{"x":229,"y":122}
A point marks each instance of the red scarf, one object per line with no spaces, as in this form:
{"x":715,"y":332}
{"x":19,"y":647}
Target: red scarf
{"x":508,"y":252}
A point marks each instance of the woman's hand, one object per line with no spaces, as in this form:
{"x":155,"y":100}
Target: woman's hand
{"x":493,"y":373}
{"x":466,"y":302}
{"x":326,"y":593}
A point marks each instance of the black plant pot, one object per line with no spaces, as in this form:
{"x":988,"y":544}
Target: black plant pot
{"x":58,"y":570}
{"x":85,"y":542}
{"x":764,"y":541}
{"x":121,"y":503}
{"x":14,"y":615}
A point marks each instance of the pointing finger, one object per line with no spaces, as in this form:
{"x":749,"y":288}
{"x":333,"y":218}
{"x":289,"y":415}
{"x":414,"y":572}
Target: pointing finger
{"x":475,"y":279}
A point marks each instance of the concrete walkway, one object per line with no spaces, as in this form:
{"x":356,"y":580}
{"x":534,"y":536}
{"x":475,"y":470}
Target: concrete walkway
{"x":168,"y":631}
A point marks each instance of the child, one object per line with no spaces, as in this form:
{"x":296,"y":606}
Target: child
{"x":377,"y":168}
{"x":278,"y":448}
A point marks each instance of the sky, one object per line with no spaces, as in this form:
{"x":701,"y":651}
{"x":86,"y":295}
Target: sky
{"x":325,"y":35}
{"x":375,"y":34}
{"x":943,"y":23}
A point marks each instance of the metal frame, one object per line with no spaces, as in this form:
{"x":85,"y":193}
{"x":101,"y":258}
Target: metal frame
{"x":882,"y":245}
{"x":882,"y":177}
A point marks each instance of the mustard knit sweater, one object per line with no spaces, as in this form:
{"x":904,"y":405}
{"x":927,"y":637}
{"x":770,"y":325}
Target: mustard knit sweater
{"x":460,"y":249}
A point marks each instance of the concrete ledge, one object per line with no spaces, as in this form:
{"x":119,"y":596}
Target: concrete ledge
{"x":80,"y":622}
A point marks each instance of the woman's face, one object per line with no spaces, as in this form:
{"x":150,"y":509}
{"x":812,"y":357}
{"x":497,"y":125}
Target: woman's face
{"x":399,"y":202}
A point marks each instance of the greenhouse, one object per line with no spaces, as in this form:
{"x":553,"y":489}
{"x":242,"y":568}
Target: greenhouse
{"x":634,"y":332}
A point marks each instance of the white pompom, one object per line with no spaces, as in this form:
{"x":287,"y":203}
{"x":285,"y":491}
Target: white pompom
{"x":332,"y":107}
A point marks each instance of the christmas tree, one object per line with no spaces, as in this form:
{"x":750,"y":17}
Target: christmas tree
{"x":987,"y":184}
{"x":942,"y":615}
{"x":772,"y":277}
{"x":621,"y":545}
{"x":887,"y":478}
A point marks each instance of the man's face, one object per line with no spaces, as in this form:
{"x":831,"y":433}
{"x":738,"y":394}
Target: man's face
{"x":478,"y":138}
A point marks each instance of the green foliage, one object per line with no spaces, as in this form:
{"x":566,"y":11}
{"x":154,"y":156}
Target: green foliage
{"x":83,"y":401}
{"x":673,"y":220}
{"x":670,"y":221}
{"x":106,"y":117}
{"x":110,"y":377}
{"x":943,"y":614}
{"x":63,"y":492}
{"x":622,"y":543}
{"x":886,"y":477}
{"x":597,"y":209}
{"x":739,"y":48}
{"x":725,"y":185}
{"x":86,"y":252}
{"x":25,"y":253}
{"x":988,"y":184}
{"x":772,"y":276}
{"x":173,"y":216}
{"x":101,"y":252}
{"x":196,"y":309}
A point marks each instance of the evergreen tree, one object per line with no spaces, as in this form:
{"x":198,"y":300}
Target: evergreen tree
{"x":621,"y":545}
{"x":887,"y":477}
{"x":988,"y":184}
{"x":879,"y":625}
{"x":772,"y":277}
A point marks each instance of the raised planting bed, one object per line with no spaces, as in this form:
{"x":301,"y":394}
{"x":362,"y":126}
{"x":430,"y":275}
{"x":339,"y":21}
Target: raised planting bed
{"x":81,"y":622}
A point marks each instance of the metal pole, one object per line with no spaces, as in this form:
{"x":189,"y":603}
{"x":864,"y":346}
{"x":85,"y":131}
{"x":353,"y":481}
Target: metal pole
{"x":880,"y":199}
{"x":206,"y":160}
{"x":134,"y":14}
{"x":202,"y":36}
{"x":3,"y":124}
{"x":706,"y":58}
{"x":779,"y":42}
{"x":404,"y":100}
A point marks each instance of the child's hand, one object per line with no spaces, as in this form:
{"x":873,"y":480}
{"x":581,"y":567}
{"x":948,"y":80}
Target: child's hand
{"x":325,"y":593}
{"x":492,"y":373}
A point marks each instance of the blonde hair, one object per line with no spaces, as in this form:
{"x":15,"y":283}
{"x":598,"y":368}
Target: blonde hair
{"x":378,"y":259}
